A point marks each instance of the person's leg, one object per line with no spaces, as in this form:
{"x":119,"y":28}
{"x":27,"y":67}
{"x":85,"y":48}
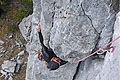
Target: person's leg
{"x":63,"y":62}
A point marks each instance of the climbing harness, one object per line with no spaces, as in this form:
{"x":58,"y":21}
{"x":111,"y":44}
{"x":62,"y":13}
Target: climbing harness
{"x":57,"y":60}
{"x":100,"y":50}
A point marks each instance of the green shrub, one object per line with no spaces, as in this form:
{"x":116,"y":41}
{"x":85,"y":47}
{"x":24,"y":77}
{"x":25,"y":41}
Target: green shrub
{"x":24,"y":12}
{"x":4,"y":6}
{"x":20,"y":14}
{"x":28,"y":5}
{"x":3,"y":2}
{"x":12,"y":28}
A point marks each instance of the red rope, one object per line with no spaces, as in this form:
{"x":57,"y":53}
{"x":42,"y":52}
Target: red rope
{"x":97,"y":50}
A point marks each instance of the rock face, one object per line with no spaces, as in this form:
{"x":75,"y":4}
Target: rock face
{"x":89,"y":69}
{"x":111,"y":70}
{"x":27,"y":28}
{"x":37,"y":70}
{"x":72,"y":35}
{"x":73,"y":29}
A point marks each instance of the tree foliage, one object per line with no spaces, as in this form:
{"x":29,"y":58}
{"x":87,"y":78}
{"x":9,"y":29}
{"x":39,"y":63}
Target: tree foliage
{"x":4,"y":6}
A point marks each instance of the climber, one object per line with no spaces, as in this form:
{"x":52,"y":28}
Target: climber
{"x":53,"y":62}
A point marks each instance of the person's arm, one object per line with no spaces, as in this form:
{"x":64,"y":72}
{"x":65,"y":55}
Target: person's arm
{"x":39,"y":27}
{"x":44,"y":48}
{"x":40,"y":34}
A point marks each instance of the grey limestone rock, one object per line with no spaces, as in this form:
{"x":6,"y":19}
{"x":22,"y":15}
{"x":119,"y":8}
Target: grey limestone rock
{"x":25,"y":27}
{"x":19,"y":43}
{"x":9,"y":66}
{"x":1,"y":42}
{"x":75,"y":40}
{"x":10,"y":78}
{"x":3,"y":72}
{"x":71,"y":36}
{"x":19,"y":65}
{"x":73,"y":29}
{"x":89,"y":69}
{"x":36,"y":70}
{"x":10,"y":36}
{"x":2,"y":50}
{"x":21,"y":53}
{"x":102,"y":14}
{"x":1,"y":55}
{"x":100,"y":69}
{"x":111,"y":70}
{"x":11,"y":47}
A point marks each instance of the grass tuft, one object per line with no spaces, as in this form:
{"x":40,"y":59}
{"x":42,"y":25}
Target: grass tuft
{"x":12,"y":28}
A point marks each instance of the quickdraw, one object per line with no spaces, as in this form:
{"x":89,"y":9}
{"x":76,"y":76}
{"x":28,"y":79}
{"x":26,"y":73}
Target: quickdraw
{"x":109,"y":50}
{"x":100,"y":50}
{"x":57,"y":60}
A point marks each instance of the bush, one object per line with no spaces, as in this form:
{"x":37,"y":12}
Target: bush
{"x":12,"y":28}
{"x":20,"y":14}
{"x":3,"y":2}
{"x":28,"y":5}
{"x":4,"y":6}
{"x":24,"y":12}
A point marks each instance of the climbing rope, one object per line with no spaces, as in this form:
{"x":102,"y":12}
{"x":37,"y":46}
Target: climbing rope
{"x":99,"y":50}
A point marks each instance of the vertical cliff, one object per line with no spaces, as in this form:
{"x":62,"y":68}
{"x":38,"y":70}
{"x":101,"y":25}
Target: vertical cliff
{"x":73,"y":29}
{"x":110,"y":70}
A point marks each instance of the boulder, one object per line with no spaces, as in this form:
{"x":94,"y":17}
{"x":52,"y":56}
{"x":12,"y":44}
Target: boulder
{"x":1,"y":42}
{"x":21,"y":53}
{"x":9,"y":66}
{"x":19,"y":65}
{"x":25,"y":27}
{"x":3,"y":72}
{"x":1,"y":55}
{"x":10,"y":36}
{"x":10,"y":78}
{"x":2,"y":50}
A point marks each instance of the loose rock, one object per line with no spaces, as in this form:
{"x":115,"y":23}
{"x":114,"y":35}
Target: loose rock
{"x":3,"y":72}
{"x":11,"y":36}
{"x":9,"y":66}
{"x":19,"y":64}
{"x":1,"y":42}
{"x":1,"y":55}
{"x":21,"y":53}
